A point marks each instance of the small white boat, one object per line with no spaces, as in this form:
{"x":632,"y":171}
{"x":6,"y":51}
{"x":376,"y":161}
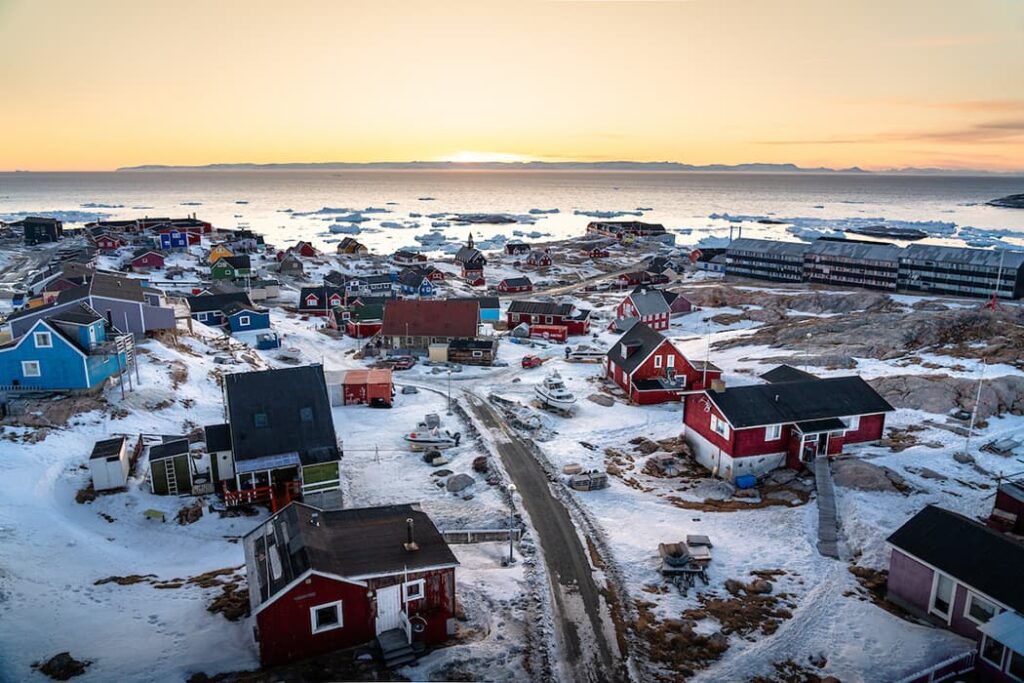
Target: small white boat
{"x":423,"y":439}
{"x":553,"y":393}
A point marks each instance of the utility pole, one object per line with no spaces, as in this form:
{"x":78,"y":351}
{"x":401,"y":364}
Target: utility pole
{"x":974,"y":412}
{"x":449,"y":391}
{"x":511,"y":521}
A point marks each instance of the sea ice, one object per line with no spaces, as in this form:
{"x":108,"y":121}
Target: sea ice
{"x":606,"y":214}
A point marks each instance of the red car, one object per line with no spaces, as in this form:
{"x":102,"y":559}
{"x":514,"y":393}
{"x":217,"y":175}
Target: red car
{"x":531,"y":362}
{"x":404,"y":363}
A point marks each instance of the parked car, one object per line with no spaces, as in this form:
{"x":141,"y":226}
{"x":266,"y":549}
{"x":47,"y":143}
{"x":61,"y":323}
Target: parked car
{"x":532,"y":362}
{"x":407,"y":389}
{"x":404,"y":363}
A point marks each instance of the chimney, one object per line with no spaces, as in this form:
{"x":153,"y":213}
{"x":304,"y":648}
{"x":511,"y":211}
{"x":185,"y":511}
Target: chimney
{"x":410,"y":542}
{"x":717,"y":385}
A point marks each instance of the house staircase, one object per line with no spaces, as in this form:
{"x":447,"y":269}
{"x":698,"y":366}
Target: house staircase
{"x":828,"y":518}
{"x":395,"y":648}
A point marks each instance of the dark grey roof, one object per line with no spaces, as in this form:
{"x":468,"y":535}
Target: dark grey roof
{"x":354,"y":543}
{"x":470,"y":256}
{"x":76,"y":315}
{"x":829,"y":424}
{"x":482,"y":301}
{"x":410,"y":277}
{"x":649,"y":301}
{"x":237,"y":262}
{"x":115,"y":287}
{"x":168,"y":449}
{"x":814,"y":399}
{"x":786,"y":373}
{"x":218,"y":437}
{"x":855,"y":250}
{"x":285,"y":397}
{"x":376,"y":279}
{"x":541,"y":308}
{"x":979,"y":257}
{"x":238,"y":307}
{"x":107,"y":447}
{"x":518,"y":282}
{"x":638,"y":342}
{"x":970,"y":552}
{"x":789,"y":249}
{"x":472,"y":344}
{"x":217,"y":302}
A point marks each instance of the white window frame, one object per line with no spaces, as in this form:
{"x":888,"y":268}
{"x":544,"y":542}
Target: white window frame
{"x":420,"y":593}
{"x":39,"y":337}
{"x":719,"y":426}
{"x":773,"y":432}
{"x":981,"y":652}
{"x":971,"y":597}
{"x":1008,"y":656}
{"x":935,"y":591}
{"x":670,"y":361}
{"x":312,"y":617}
{"x":26,"y":364}
{"x":853,"y":423}
{"x":657,"y":361}
{"x":244,"y":320}
{"x":202,"y":317}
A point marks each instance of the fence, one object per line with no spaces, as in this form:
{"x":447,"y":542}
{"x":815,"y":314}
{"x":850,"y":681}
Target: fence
{"x":463,"y":536}
{"x":944,"y":670}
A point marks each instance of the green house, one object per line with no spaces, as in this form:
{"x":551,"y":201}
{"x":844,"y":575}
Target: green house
{"x":231,"y":268}
{"x":171,"y":468}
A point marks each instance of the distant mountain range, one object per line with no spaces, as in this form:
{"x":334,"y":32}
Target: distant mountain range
{"x":553,"y":166}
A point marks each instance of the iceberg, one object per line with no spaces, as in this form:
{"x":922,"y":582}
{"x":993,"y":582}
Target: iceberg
{"x":543,"y":211}
{"x":440,"y":224}
{"x":97,"y":205}
{"x":350,"y":229}
{"x":606,"y":214}
{"x":64,"y":216}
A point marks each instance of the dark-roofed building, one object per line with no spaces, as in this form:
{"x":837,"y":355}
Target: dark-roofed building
{"x":414,"y":281}
{"x":323,"y":580}
{"x":41,"y":229}
{"x":756,"y":428}
{"x":766,"y":259}
{"x":411,"y":326}
{"x":650,"y":369}
{"x":512,"y":285}
{"x":625,"y":231}
{"x":109,"y":463}
{"x":962,"y":272}
{"x":852,"y":263}
{"x":472,"y":262}
{"x":172,"y":470}
{"x":786,"y":373}
{"x":231,"y":267}
{"x":576,"y":321}
{"x":647,"y":305}
{"x":210,"y":309}
{"x":283,"y":443}
{"x":955,"y":571}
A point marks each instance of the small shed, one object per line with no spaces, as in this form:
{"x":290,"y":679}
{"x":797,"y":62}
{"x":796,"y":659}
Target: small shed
{"x":170,"y":468}
{"x":368,"y":387}
{"x":109,"y":464}
{"x":437,"y":353}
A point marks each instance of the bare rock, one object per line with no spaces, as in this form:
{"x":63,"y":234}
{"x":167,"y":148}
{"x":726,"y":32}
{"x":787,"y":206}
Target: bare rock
{"x":853,"y":473}
{"x":602,"y":400}
{"x":62,"y":666}
{"x":458,"y":483}
{"x":963,"y":458}
{"x":759,"y":587}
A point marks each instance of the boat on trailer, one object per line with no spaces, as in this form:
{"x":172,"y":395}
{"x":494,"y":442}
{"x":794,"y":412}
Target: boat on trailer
{"x":553,"y":393}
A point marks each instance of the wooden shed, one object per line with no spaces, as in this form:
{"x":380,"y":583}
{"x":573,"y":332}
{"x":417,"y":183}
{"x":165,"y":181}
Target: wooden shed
{"x":171,"y":468}
{"x":368,"y":387}
{"x":109,"y":463}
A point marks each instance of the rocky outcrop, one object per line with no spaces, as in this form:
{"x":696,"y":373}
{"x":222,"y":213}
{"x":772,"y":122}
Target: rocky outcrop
{"x":942,"y":394}
{"x":1013,"y":201}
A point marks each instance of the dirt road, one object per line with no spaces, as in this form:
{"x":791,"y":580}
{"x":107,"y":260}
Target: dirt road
{"x":585,"y":631}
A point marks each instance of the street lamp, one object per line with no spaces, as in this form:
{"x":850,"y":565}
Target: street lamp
{"x":511,"y":521}
{"x":449,"y":391}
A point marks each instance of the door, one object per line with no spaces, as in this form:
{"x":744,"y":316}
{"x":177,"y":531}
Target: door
{"x":823,"y":444}
{"x":389,"y":608}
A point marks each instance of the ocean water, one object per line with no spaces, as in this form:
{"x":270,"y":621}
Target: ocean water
{"x":697,"y":206}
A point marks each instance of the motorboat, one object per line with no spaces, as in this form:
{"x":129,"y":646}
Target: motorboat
{"x":432,"y":438}
{"x":553,"y":393}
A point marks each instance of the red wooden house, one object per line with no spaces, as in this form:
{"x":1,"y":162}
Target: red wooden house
{"x":472,"y":262}
{"x":515,"y":284}
{"x":538,"y":259}
{"x":1008,"y":508}
{"x":325,"y":580}
{"x":320,"y":300}
{"x":756,"y":428}
{"x":547,"y":313}
{"x":598,"y":252}
{"x":148,"y":260}
{"x":640,"y":277}
{"x":650,"y":369}
{"x":648,"y":306}
{"x":359,"y":321}
{"x":368,"y":387}
{"x":304,"y":249}
{"x":108,"y":242}
{"x":516,"y":247}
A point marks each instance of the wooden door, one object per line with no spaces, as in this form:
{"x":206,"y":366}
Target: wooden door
{"x":389,"y":608}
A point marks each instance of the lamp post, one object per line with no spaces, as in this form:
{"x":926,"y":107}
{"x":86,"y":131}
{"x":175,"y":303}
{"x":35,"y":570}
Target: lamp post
{"x":449,"y":391}
{"x":511,"y":521}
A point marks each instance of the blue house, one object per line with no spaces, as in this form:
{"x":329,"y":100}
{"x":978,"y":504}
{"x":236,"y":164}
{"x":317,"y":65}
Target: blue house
{"x":490,"y":308}
{"x":73,"y":350}
{"x":174,"y":239}
{"x":209,"y":308}
{"x":246,"y":318}
{"x":412,"y":281}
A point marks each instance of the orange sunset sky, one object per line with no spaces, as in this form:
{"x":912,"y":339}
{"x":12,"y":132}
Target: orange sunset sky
{"x":106,"y":83}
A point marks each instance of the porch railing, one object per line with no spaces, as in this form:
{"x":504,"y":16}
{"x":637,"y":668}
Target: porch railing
{"x":406,"y":626}
{"x":944,"y":670}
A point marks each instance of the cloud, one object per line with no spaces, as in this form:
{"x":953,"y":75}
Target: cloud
{"x":991,"y":132}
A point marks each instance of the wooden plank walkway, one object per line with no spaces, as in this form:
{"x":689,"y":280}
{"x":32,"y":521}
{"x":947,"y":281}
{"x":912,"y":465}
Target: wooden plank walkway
{"x":828,"y":518}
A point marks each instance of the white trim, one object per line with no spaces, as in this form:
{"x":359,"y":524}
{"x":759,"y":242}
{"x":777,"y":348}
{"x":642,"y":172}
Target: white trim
{"x":417,"y":570}
{"x":930,"y":607}
{"x":775,"y":429}
{"x":337,"y":605}
{"x":25,"y":364}
{"x":46,"y":336}
{"x":1008,"y":656}
{"x":967,"y":606}
{"x":418,"y":583}
{"x":244,"y":320}
{"x":981,"y":652}
{"x":301,"y":578}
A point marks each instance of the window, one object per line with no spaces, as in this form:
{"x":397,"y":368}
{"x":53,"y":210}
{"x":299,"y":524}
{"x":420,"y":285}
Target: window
{"x":670,"y":361}
{"x":325,"y":617}
{"x":202,"y":317}
{"x":942,"y":596}
{"x":992,"y":652}
{"x":259,"y":420}
{"x":478,"y":354}
{"x":244,"y":320}
{"x":30,"y":368}
{"x":773,"y":432}
{"x":413,"y":590}
{"x":312,"y":300}
{"x":720,"y":427}
{"x":306,"y":414}
{"x":657,"y":361}
{"x":853,"y":423}
{"x":548,"y":319}
{"x":1015,"y":665}
{"x":979,"y":609}
{"x":43,"y":340}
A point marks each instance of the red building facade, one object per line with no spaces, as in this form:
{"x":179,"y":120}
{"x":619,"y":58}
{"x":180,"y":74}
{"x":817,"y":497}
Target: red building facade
{"x":650,"y":369}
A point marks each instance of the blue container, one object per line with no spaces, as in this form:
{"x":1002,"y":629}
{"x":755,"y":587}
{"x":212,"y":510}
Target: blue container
{"x":747,"y":481}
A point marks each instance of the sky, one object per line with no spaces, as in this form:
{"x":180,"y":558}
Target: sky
{"x":877,"y":84}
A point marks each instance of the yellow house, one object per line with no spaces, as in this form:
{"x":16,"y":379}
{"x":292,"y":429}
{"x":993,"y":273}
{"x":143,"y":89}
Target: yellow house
{"x":219,"y":251}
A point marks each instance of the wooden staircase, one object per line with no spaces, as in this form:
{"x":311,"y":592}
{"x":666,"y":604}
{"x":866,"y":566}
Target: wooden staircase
{"x":395,"y":648}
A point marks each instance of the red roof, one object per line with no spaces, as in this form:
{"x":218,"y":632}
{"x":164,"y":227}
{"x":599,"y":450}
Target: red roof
{"x":376,"y":376}
{"x":421,"y":318}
